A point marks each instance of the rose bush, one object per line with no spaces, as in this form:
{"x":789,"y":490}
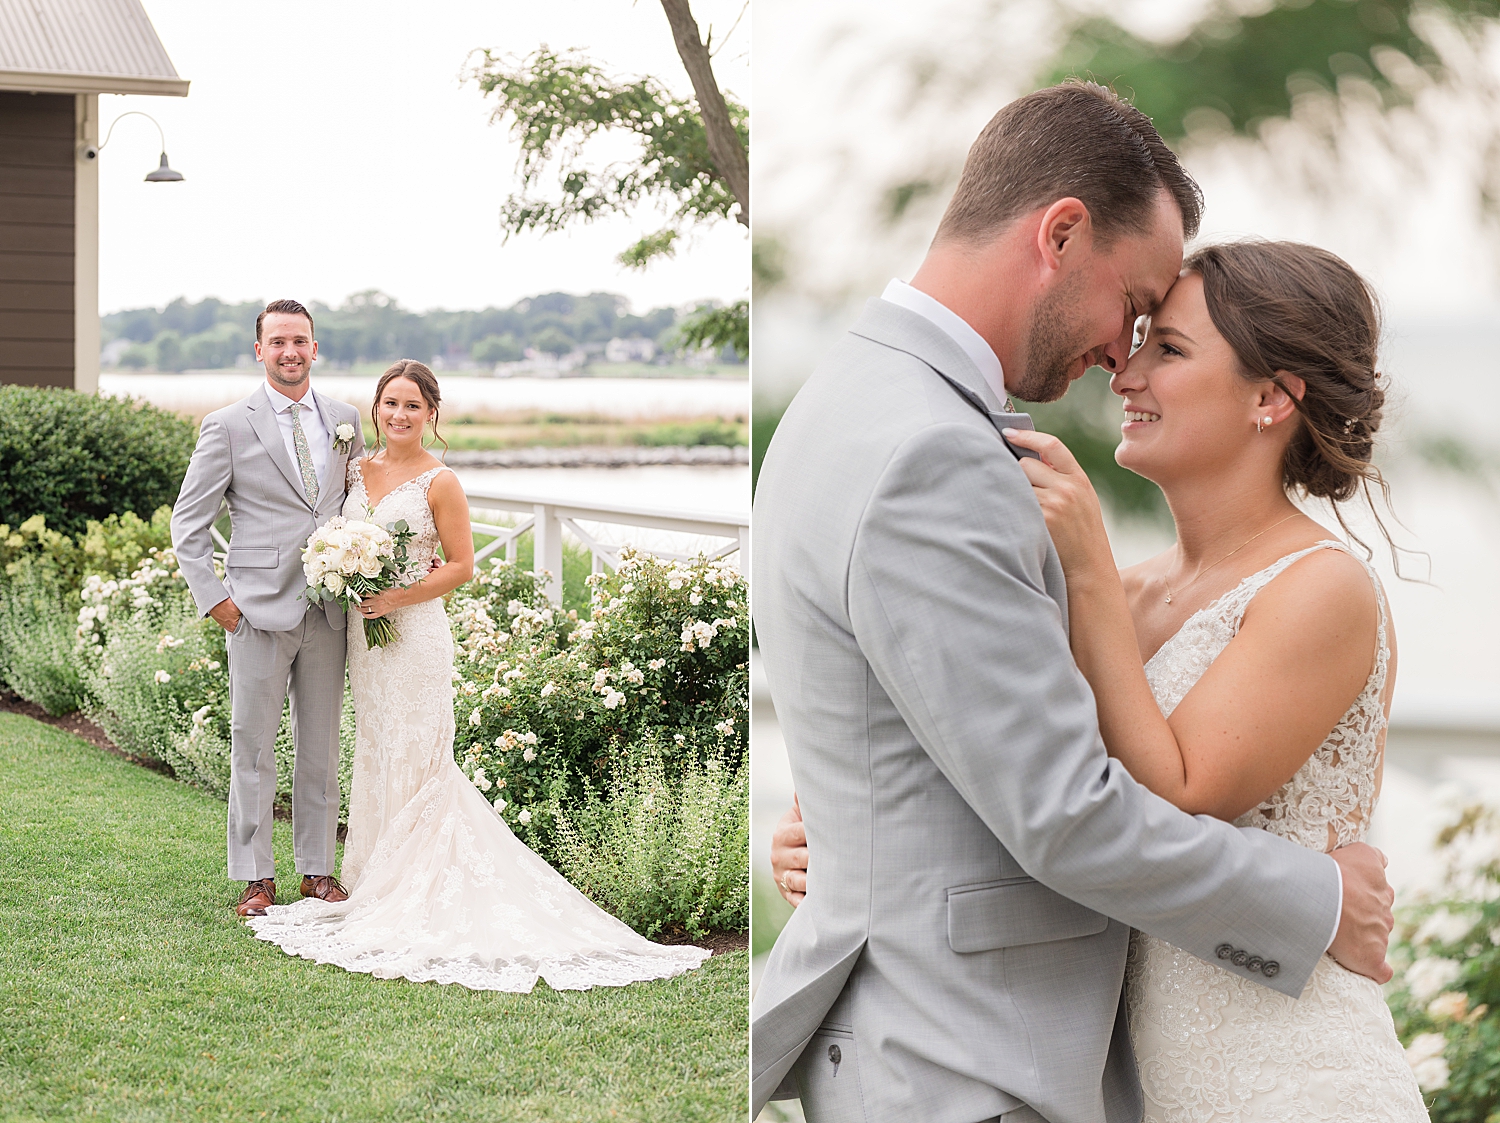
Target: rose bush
{"x":1446,"y":994}
{"x":550,"y":706}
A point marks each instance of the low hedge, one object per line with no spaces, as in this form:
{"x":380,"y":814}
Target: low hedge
{"x":74,"y":457}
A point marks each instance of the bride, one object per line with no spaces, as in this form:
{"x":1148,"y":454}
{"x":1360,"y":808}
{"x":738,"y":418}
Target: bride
{"x":1245,"y":673}
{"x":439,"y":888}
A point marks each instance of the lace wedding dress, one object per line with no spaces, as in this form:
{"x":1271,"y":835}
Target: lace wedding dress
{"x":440,"y":890}
{"x":1214,"y":1046}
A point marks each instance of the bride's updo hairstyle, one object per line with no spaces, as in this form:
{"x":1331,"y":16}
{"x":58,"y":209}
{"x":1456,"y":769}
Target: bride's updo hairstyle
{"x":1285,"y":306}
{"x":427,"y":386}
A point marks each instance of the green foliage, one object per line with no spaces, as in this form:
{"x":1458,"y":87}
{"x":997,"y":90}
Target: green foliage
{"x":661,"y":244}
{"x":39,"y":598}
{"x":1446,"y":994}
{"x":550,"y":706}
{"x":763,"y":422}
{"x":717,"y":328}
{"x":662,"y":849}
{"x":1250,"y":67}
{"x":373,"y":327}
{"x":497,"y":349}
{"x":769,"y":914}
{"x":710,"y":431}
{"x":73,"y":457}
{"x":557,"y":101}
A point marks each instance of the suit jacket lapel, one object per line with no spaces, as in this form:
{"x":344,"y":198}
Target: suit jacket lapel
{"x":338,"y":461}
{"x":263,"y":423}
{"x":893,"y":326}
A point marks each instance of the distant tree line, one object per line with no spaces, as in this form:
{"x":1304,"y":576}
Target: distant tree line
{"x":371,"y":326}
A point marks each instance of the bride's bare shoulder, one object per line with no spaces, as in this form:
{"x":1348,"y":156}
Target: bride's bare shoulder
{"x":1327,"y":598}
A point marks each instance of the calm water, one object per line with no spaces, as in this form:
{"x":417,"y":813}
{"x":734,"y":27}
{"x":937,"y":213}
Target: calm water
{"x":627,"y":399}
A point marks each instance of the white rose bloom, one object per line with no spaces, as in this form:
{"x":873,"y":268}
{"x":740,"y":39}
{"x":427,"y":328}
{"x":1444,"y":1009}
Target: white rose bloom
{"x":333,"y":583}
{"x":162,"y":677}
{"x":524,"y":817}
{"x":549,"y":688}
{"x":657,"y":664}
{"x":369,"y":566}
{"x":499,"y":804}
{"x":345,"y":432}
{"x":612,"y":697}
{"x":476,"y":715}
{"x":529,"y":755}
{"x":1426,"y":977}
{"x":1425,"y":1055}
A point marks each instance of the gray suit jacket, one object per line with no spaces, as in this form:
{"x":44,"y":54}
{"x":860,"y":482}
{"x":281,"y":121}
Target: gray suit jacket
{"x":241,"y":457}
{"x":978,"y":860}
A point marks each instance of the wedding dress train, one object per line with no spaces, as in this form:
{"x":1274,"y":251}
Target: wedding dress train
{"x":1212,"y":1046}
{"x":440,"y":890}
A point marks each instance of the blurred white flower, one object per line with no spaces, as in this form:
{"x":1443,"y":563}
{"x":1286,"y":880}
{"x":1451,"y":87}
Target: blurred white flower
{"x":612,"y":697}
{"x":499,"y":804}
{"x":724,"y":728}
{"x":529,"y":755}
{"x":162,"y":676}
{"x":695,"y":598}
{"x":1444,"y":927}
{"x":1425,"y":1055}
{"x":548,"y":688}
{"x":481,"y":781}
{"x":476,"y":715}
{"x":1426,"y":977}
{"x":679,"y":738}
{"x":657,"y":664}
{"x":524,"y":817}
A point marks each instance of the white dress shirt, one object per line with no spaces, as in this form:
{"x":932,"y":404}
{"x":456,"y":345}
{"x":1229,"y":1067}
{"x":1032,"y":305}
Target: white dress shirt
{"x":973,"y":344}
{"x":319,"y":440}
{"x":954,"y":326}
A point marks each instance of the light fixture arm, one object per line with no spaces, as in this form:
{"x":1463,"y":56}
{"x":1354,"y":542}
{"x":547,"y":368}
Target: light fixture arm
{"x":134,"y":113}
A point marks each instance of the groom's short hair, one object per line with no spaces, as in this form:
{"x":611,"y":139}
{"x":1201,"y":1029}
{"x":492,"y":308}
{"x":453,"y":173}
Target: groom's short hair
{"x":1076,"y":139}
{"x":290,"y":308}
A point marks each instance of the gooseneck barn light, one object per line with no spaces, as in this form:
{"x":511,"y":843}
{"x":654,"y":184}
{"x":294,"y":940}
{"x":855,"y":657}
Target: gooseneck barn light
{"x":163,"y":174}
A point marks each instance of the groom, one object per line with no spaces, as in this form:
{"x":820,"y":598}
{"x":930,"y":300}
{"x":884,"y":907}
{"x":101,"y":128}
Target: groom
{"x":279,"y":459}
{"x":980,"y":861}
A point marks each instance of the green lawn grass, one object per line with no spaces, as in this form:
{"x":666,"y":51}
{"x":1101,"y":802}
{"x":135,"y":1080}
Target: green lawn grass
{"x":129,"y":991}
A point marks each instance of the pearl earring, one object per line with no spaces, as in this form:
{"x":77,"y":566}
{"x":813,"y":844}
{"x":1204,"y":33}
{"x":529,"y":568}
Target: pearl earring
{"x":1260,"y":425}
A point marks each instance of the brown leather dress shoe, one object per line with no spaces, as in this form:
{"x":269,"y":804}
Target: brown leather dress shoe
{"x":323,"y":886}
{"x":257,"y":897}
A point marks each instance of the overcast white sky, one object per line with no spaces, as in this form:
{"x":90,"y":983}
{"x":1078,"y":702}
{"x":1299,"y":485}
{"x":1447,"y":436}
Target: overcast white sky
{"x":329,"y":147}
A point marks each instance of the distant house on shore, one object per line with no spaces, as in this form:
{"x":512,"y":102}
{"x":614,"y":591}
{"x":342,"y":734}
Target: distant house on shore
{"x":634,"y":350}
{"x":56,"y":58}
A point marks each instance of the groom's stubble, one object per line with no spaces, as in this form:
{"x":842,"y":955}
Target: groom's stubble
{"x":1054,"y":342}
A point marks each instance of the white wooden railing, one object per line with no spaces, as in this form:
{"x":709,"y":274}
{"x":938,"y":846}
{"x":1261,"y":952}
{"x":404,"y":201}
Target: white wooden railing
{"x":549,"y":518}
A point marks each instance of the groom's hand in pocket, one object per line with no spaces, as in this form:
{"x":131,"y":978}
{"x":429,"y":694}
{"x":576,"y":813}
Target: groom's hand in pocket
{"x":226,"y":614}
{"x":1366,"y":921}
{"x":789,"y":855}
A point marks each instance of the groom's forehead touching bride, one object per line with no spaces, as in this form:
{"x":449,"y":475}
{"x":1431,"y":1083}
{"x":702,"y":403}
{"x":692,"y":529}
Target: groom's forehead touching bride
{"x":1067,"y":224}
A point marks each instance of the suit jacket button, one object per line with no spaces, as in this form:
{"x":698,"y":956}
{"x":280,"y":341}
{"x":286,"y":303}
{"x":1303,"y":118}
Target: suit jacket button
{"x":1271,"y":969}
{"x":1240,"y":957}
{"x":1224,"y":951}
{"x":835,"y":1054}
{"x":1254,"y":963}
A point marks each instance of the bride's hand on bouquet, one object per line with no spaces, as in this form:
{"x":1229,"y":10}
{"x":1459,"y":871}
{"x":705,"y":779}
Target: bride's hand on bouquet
{"x":1068,"y":501}
{"x":382,"y":603}
{"x":789,"y":855}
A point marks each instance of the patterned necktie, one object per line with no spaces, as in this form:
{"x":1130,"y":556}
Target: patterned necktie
{"x":304,"y":456}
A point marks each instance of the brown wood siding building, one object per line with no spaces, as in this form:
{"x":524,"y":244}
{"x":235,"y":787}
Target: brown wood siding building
{"x":37,"y":165}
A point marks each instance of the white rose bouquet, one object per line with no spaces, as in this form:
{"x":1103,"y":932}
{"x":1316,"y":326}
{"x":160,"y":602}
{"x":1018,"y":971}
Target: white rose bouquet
{"x":346,"y":560}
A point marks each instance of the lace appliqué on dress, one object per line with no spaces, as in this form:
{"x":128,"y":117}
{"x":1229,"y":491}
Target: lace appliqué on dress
{"x":440,"y":889}
{"x":1212,"y":1046}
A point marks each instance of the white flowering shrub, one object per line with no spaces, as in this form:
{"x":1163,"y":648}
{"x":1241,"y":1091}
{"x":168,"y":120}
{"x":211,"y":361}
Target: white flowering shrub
{"x":662,"y":852}
{"x":1446,"y":994}
{"x":158,"y":678}
{"x":554,"y":709}
{"x":40,"y":573}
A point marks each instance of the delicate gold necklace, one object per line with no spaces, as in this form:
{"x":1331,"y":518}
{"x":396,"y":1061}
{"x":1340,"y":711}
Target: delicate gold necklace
{"x":1226,"y":557}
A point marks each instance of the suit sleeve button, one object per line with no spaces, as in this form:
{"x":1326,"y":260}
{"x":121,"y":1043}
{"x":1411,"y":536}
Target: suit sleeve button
{"x":1240,"y":957}
{"x":1254,"y":963}
{"x":1224,"y":951}
{"x":1271,"y":969}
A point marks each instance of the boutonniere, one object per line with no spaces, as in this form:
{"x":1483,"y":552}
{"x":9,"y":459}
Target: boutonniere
{"x":343,"y":437}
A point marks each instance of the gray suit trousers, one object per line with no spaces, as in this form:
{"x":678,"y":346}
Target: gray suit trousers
{"x":306,"y":661}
